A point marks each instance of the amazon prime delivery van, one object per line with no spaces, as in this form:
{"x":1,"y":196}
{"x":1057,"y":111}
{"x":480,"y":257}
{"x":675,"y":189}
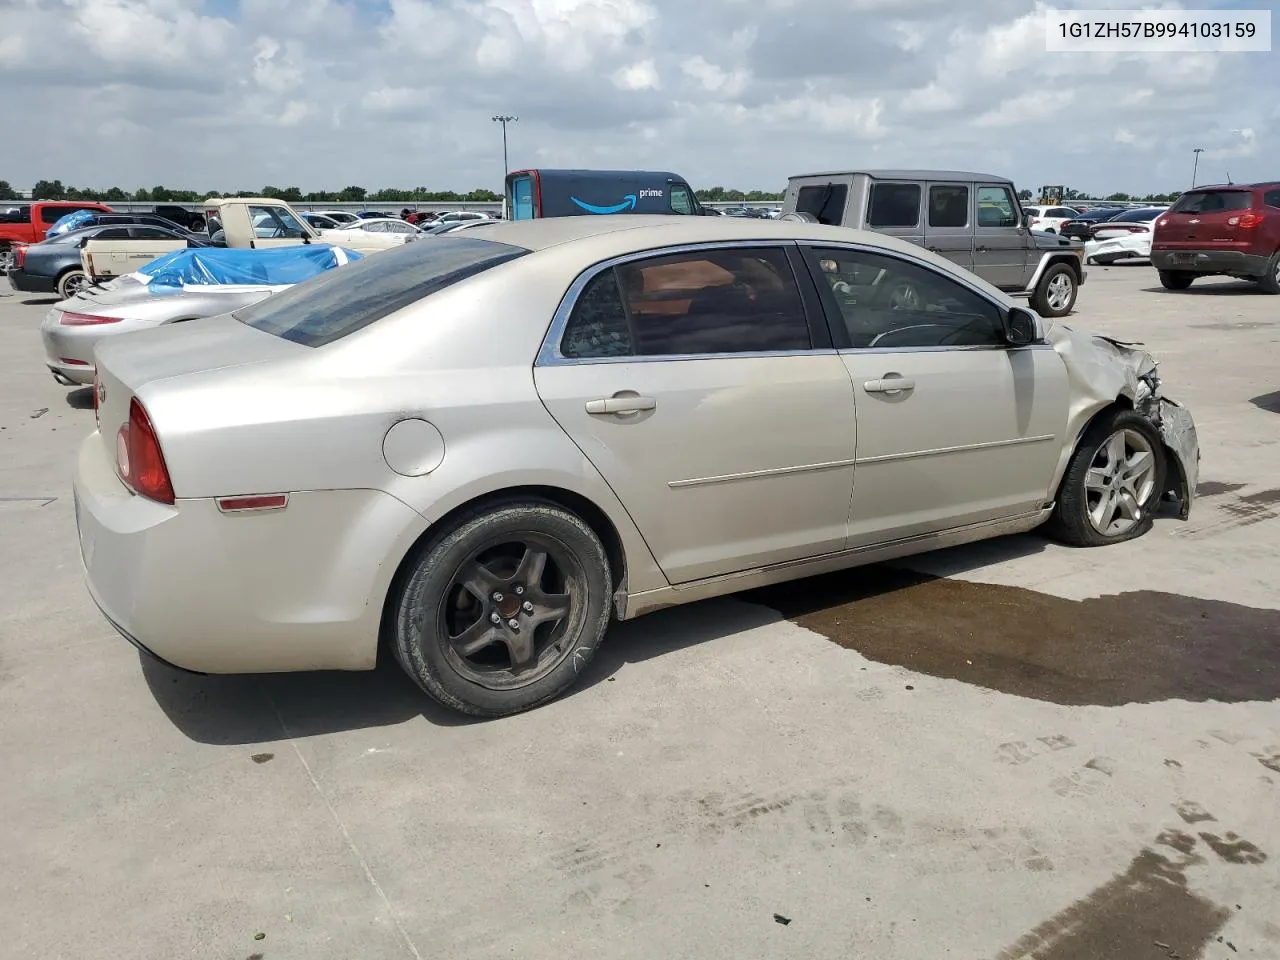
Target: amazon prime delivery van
{"x":532,"y":194}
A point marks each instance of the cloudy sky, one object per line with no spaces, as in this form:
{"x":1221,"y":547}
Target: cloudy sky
{"x":237,"y":94}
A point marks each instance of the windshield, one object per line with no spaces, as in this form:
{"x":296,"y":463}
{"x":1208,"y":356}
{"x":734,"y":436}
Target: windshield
{"x":1213,"y":201}
{"x":339,"y":303}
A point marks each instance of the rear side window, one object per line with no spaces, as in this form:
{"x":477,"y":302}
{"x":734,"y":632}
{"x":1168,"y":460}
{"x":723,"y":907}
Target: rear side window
{"x":824,"y":201}
{"x":948,"y":206}
{"x":738,"y":300}
{"x":340,"y":302}
{"x":894,"y":205}
{"x":112,"y":233}
{"x":1271,"y":198}
{"x":1213,"y":201}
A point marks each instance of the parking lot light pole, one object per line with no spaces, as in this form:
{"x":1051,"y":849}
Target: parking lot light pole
{"x":504,"y":120}
{"x":1194,"y":167}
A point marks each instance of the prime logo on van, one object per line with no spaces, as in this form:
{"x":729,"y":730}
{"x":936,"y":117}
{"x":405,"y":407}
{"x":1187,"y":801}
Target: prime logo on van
{"x":628,"y":202}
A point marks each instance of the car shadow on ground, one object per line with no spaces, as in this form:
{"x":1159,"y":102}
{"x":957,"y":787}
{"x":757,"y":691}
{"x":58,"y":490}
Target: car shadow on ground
{"x":81,"y":398}
{"x":38,"y":301}
{"x":238,"y":710}
{"x":1225,"y":288}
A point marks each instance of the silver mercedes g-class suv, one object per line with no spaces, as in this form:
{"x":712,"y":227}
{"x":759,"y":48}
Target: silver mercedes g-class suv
{"x":971,"y":218}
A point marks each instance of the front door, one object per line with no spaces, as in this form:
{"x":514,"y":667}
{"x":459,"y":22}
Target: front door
{"x":1001,"y":244}
{"x":954,"y":426}
{"x":710,"y":400}
{"x":948,"y":229}
{"x":522,"y":197}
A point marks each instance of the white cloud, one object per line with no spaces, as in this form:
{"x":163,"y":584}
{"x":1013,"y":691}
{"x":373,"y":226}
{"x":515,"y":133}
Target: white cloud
{"x":642,"y":75}
{"x":714,"y":79}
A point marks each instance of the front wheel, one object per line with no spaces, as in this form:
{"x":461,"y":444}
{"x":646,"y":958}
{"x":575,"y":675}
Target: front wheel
{"x":503,"y":612}
{"x":1112,"y":484}
{"x":1055,"y":294}
{"x":6,"y":259}
{"x":71,"y":283}
{"x":1176,"y":279}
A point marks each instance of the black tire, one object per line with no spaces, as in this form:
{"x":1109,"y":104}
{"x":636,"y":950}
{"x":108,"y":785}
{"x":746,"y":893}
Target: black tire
{"x":71,"y":283}
{"x":1053,"y":277}
{"x":1176,"y":279}
{"x":432,"y":595}
{"x":1070,"y":522}
{"x":1269,"y":282}
{"x":6,"y":258}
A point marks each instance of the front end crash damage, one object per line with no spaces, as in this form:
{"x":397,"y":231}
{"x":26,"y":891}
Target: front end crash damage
{"x":1103,"y":370}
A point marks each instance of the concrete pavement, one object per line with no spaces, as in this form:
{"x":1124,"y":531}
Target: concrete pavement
{"x":1049,"y":753}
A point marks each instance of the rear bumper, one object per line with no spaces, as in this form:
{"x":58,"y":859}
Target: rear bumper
{"x":293,"y":589}
{"x":68,"y":351}
{"x":1119,"y":248}
{"x":1210,"y":261}
{"x":21,"y":280}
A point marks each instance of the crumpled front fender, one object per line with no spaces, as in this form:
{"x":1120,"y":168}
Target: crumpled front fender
{"x":1178,"y":431}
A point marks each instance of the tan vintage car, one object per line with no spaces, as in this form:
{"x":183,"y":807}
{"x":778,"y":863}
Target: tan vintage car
{"x":482,"y":448}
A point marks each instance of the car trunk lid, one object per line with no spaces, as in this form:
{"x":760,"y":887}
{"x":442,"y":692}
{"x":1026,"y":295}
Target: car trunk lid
{"x":1217,"y":218}
{"x":127,"y":364}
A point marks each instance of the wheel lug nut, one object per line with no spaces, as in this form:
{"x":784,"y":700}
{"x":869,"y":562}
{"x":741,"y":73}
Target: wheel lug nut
{"x":513,"y":623}
{"x":494,"y":618}
{"x":528,"y":607}
{"x":497,"y":597}
{"x":519,"y":590}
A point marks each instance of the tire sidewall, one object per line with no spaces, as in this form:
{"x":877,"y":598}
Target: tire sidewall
{"x":1042,"y":291}
{"x":422,"y":652}
{"x":62,"y":283}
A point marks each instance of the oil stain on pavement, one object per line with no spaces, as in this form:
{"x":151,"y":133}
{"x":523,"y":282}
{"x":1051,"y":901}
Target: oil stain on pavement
{"x":1139,"y":647}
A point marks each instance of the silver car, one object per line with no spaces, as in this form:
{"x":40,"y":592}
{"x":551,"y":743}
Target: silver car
{"x":485,"y":448}
{"x":73,"y":328}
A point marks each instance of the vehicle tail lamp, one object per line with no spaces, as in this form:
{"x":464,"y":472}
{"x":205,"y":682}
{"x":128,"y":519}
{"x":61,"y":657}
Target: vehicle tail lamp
{"x":70,"y":319}
{"x":1247,"y":220}
{"x":139,"y":459}
{"x":19,"y":254}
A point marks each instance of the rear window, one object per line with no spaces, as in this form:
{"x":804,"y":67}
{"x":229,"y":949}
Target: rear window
{"x":824,"y":201}
{"x":1137,"y":216}
{"x":1213,"y":201}
{"x":342,"y":301}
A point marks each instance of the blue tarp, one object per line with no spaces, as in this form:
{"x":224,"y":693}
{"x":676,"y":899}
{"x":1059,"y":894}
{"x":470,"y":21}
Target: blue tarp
{"x":273,"y":266}
{"x":72,"y":221}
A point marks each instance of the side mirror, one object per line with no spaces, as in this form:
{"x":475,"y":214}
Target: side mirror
{"x":1021,"y":328}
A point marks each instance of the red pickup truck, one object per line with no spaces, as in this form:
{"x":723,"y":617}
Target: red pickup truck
{"x":22,"y":223}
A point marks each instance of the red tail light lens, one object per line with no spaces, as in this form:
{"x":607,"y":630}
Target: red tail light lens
{"x":139,"y":458}
{"x":70,"y":319}
{"x":19,"y":254}
{"x":1249,"y":220}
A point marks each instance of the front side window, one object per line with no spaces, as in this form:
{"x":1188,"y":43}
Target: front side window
{"x":340,"y":302}
{"x":681,"y":199}
{"x":276,"y":222}
{"x":739,"y":300}
{"x":948,"y":206}
{"x":889,"y":302}
{"x":996,"y":207}
{"x":894,"y":205}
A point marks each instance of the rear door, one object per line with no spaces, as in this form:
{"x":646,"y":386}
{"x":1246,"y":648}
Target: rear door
{"x":1207,"y":218}
{"x":704,"y":388}
{"x":948,"y":229}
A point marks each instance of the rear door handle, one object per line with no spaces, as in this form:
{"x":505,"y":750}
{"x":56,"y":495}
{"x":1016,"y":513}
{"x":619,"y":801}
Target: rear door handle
{"x":621,"y":405}
{"x":889,"y":385}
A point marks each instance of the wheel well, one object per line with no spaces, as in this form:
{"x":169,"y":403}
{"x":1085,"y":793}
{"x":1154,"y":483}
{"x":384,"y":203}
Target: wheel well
{"x":1071,"y":261}
{"x":592,"y":515}
{"x":1119,"y":403}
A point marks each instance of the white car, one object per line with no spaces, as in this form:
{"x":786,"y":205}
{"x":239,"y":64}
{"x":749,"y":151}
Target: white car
{"x":341,"y":216}
{"x":456,"y":215}
{"x":383,"y":226}
{"x":1049,"y":219}
{"x":1125,"y":237}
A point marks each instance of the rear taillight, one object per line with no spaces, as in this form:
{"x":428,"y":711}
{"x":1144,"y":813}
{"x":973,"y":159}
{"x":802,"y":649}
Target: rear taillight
{"x":70,"y":319}
{"x":19,"y":254}
{"x":1247,"y":220}
{"x":139,"y":459}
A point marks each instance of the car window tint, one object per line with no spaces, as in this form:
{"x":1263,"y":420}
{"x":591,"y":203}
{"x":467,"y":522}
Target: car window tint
{"x":340,"y":302}
{"x":824,"y":202}
{"x":948,"y":206}
{"x":889,"y":302}
{"x":1213,"y":201}
{"x":996,"y":207}
{"x":1271,"y":198}
{"x":681,"y":201}
{"x":598,"y":326}
{"x":112,"y":233}
{"x":152,"y":233}
{"x":894,"y":205}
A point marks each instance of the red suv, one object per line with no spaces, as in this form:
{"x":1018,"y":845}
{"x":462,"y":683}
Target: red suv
{"x":1230,"y":230}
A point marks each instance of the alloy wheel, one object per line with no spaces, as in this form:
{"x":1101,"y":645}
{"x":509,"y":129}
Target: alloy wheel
{"x":1058,"y":294}
{"x":1119,"y":482}
{"x":507,"y":609}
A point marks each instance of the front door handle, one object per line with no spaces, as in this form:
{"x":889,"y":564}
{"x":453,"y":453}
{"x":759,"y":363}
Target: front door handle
{"x":889,"y":385}
{"x":625,"y":404}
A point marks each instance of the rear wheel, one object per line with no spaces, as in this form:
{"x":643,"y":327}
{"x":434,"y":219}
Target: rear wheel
{"x":503,"y":612}
{"x":1176,"y":279}
{"x":1112,"y":484}
{"x":71,"y":283}
{"x":6,"y":259}
{"x":1055,"y":294}
{"x":1269,"y":282}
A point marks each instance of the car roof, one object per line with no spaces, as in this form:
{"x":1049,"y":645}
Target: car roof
{"x":1234,"y":186}
{"x":596,"y":174}
{"x":892,"y":174}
